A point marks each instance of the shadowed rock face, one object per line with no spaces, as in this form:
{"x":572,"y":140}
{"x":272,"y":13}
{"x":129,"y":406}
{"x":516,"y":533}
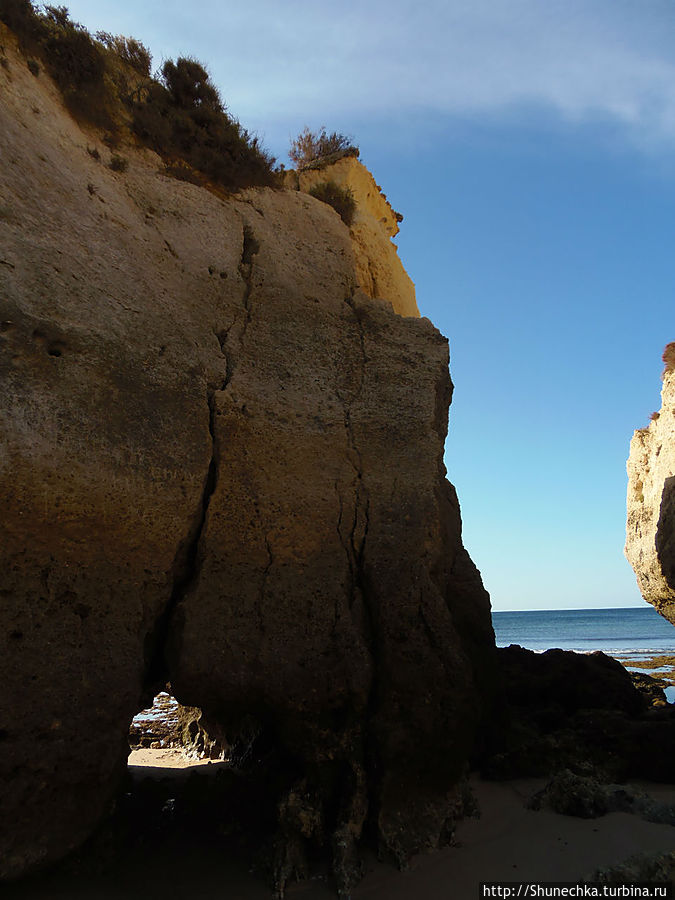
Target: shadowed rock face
{"x":221,"y":463}
{"x":583,"y":712}
{"x":650,"y":528}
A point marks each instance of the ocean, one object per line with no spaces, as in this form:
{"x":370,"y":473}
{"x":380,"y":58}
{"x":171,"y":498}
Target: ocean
{"x":629,"y":634}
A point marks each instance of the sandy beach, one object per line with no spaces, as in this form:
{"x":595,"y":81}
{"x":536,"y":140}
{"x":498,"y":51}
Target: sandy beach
{"x":147,"y":762}
{"x":508,"y":842}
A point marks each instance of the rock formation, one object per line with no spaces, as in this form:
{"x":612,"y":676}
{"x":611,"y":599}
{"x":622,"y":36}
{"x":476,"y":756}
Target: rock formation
{"x":650,"y":528}
{"x":588,"y":798}
{"x":221,"y":465}
{"x":583,"y":712}
{"x":169,"y":724}
{"x":659,"y":868}
{"x":379,"y":271}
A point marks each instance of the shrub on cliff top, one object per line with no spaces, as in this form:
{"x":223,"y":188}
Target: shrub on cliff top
{"x":71,"y":56}
{"x":106,"y":81}
{"x":77,"y":64}
{"x":129,"y":50}
{"x":669,"y":357}
{"x":74,"y":59}
{"x":183,"y":118}
{"x":312,"y":148}
{"x":19,"y":15}
{"x":341,"y":199}
{"x":188,"y":83}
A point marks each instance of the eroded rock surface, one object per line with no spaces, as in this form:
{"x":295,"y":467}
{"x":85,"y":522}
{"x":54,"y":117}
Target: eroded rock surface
{"x":589,"y":798}
{"x":658,"y":868}
{"x":212,"y":437}
{"x":379,"y":271}
{"x":650,"y":528}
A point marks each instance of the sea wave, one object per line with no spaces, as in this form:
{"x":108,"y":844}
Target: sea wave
{"x":593,"y":647}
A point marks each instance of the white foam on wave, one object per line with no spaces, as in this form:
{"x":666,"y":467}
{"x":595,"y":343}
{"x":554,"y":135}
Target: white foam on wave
{"x":621,"y":651}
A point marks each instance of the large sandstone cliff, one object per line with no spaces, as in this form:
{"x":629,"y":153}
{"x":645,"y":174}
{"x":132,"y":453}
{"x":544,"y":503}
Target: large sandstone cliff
{"x":221,"y":464}
{"x":650,"y":529}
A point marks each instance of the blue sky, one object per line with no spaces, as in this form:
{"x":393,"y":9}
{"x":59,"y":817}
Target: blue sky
{"x":531,"y":148}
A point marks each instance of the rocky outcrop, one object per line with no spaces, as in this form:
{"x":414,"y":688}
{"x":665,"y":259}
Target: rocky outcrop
{"x":564,"y":710}
{"x":167,"y":723}
{"x":650,"y":528}
{"x":379,"y":271}
{"x":221,"y":464}
{"x":588,"y":798}
{"x":658,"y":868}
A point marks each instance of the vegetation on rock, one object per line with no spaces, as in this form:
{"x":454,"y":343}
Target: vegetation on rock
{"x":341,"y":199}
{"x":313,"y":149}
{"x":129,"y":50}
{"x":669,"y":357}
{"x":105,"y":80}
{"x":182,"y":117}
{"x":118,"y":163}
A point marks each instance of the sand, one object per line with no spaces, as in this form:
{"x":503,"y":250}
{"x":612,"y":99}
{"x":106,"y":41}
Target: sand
{"x":511,"y":843}
{"x":507,"y":843}
{"x":150,"y":763}
{"x":168,"y":758}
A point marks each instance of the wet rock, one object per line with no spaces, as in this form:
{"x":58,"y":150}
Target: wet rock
{"x":650,"y":687}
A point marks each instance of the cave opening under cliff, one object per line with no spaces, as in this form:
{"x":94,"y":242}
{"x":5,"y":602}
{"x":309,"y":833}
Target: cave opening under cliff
{"x":187,"y":791}
{"x":168,"y":734}
{"x":192,"y":797}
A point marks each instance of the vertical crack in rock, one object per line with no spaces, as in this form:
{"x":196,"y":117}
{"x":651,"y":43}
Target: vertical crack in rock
{"x":354,"y":543}
{"x":353,"y":537}
{"x":263,"y":584}
{"x":185,"y":571}
{"x":250,"y":246}
{"x":373,"y":279}
{"x":232,"y":337}
{"x":186,"y":563}
{"x":362,"y":501}
{"x":223,"y":337}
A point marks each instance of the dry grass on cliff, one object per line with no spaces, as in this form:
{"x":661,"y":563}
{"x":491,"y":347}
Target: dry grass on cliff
{"x":316,"y":149}
{"x":105,"y":81}
{"x":669,"y":357}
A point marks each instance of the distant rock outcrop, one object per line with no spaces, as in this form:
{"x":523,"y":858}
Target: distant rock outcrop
{"x":650,"y":528}
{"x":221,"y":464}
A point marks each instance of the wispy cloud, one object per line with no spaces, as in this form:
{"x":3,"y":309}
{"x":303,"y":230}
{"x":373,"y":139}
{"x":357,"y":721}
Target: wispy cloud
{"x":583,"y":60}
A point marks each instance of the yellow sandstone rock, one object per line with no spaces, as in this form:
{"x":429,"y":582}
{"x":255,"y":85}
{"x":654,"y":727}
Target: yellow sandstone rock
{"x":379,"y":270}
{"x":650,"y":528}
